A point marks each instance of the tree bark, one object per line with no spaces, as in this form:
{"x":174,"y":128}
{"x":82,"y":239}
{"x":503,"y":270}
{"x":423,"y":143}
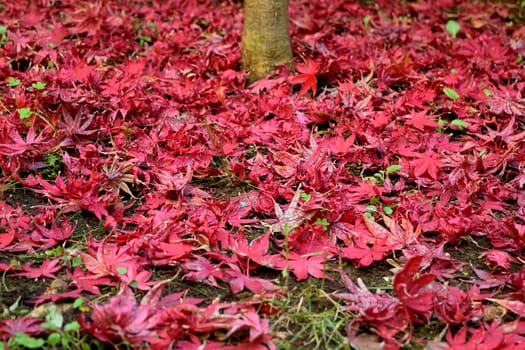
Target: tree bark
{"x":265,"y":37}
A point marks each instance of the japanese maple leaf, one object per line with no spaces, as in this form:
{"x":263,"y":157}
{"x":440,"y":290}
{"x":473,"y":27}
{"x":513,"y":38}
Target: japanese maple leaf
{"x":396,"y":72}
{"x":515,"y":306}
{"x":340,"y":145}
{"x":499,"y":258}
{"x":7,"y":238}
{"x":255,"y":251}
{"x":459,"y":340}
{"x":289,"y":164}
{"x":18,"y":145}
{"x":304,"y":265}
{"x":133,"y":68}
{"x":239,"y":280}
{"x":379,"y":307}
{"x":201,"y":269}
{"x":235,"y":213}
{"x":76,"y":193}
{"x":412,"y":291}
{"x":265,"y":84}
{"x":427,"y":162}
{"x":88,"y":282}
{"x":251,"y":321}
{"x":164,"y":252}
{"x":51,"y":236}
{"x":488,"y":337}
{"x":308,"y":76}
{"x":364,"y":190}
{"x":32,"y":17}
{"x":124,"y":318}
{"x":507,"y":100}
{"x":420,"y":95}
{"x":488,"y":280}
{"x":455,"y":306}
{"x":77,"y":125}
{"x":55,"y":297}
{"x":27,"y":325}
{"x":47,"y":269}
{"x":367,"y":254}
{"x":116,"y":261}
{"x":507,"y":134}
{"x":133,"y":276}
{"x":80,"y":72}
{"x":292,"y":217}
{"x":402,"y":232}
{"x":420,"y":120}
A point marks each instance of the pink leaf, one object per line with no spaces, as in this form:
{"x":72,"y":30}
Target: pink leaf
{"x":47,"y":269}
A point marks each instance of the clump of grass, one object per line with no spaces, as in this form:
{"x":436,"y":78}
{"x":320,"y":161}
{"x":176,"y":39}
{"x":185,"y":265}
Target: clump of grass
{"x":310,"y":319}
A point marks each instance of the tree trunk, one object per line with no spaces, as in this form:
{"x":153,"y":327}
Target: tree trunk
{"x":265,"y":37}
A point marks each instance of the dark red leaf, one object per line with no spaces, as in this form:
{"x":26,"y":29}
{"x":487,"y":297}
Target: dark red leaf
{"x":412,"y":290}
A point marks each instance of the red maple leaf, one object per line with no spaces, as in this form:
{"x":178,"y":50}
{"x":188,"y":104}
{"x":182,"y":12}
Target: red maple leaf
{"x":380,"y":309}
{"x":499,"y":258}
{"x":412,"y":291}
{"x":265,"y":84}
{"x":80,"y":72}
{"x":367,"y":254}
{"x":110,"y":259}
{"x":47,"y":269}
{"x":487,"y":337}
{"x":364,"y":190}
{"x":88,"y":282}
{"x":55,"y":297}
{"x":239,"y":280}
{"x":340,"y":145}
{"x":117,"y":262}
{"x":428,"y":162}
{"x":459,"y":340}
{"x":507,"y":100}
{"x":401,"y":233}
{"x":7,"y":238}
{"x":252,"y":322}
{"x":256,"y":251}
{"x":308,"y":76}
{"x":515,"y":306}
{"x":200,"y":269}
{"x":75,"y":125}
{"x":304,"y":265}
{"x":48,"y":237}
{"x":135,"y":275}
{"x":396,"y":72}
{"x":18,"y":145}
{"x":122,"y":317}
{"x":420,"y":120}
{"x":455,"y":306}
{"x":77,"y":193}
{"x":164,"y":252}
{"x":27,"y":325}
{"x":420,"y":96}
{"x":506,"y":134}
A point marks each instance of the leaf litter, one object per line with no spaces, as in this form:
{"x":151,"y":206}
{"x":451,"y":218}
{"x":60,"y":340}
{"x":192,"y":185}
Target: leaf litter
{"x":133,"y":153}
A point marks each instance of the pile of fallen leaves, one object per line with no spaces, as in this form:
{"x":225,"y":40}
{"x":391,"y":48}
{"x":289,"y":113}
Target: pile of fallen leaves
{"x":400,"y":133}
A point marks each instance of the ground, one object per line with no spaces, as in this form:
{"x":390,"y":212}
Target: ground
{"x":372,"y":197}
